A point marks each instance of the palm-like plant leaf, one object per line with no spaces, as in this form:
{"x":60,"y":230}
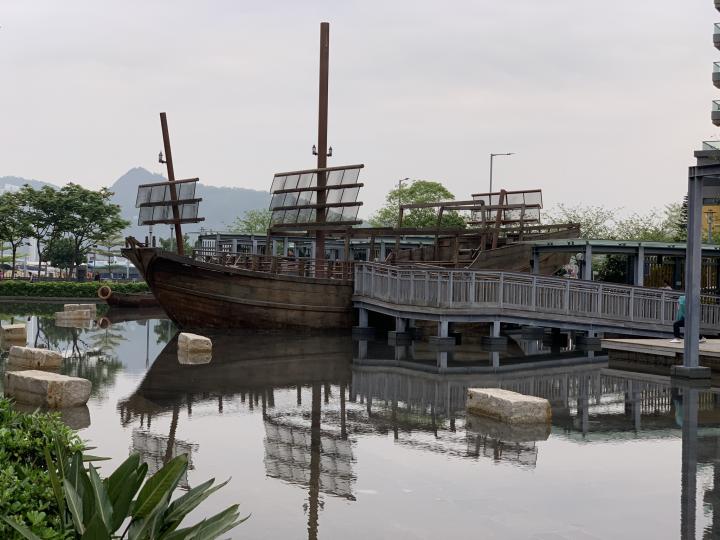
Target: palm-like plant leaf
{"x":103,"y":507}
{"x":162,"y":482}
{"x":74,"y":505}
{"x":22,"y":529}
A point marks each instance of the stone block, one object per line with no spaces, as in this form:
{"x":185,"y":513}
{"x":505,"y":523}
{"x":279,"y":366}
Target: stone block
{"x":81,"y":307}
{"x":193,"y":343}
{"x":13,"y":332}
{"x":508,"y":406}
{"x":32,"y":358}
{"x":484,"y":426}
{"x":194,"y":358}
{"x":44,"y":388}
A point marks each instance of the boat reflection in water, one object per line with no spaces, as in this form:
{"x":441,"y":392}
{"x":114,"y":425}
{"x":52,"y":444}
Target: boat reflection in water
{"x":312,"y":443}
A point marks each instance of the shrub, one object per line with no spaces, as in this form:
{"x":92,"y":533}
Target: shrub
{"x":67,"y":289}
{"x":26,"y":493}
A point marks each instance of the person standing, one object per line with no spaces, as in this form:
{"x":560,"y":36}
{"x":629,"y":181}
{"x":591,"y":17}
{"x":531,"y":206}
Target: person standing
{"x":680,"y":322}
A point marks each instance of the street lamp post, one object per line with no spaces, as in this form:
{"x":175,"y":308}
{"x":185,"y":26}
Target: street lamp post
{"x":491,"y":165}
{"x":400,"y":196}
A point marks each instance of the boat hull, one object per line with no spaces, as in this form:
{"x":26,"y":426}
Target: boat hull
{"x":196,"y":294}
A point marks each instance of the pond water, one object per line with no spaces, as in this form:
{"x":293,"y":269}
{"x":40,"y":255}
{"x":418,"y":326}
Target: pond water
{"x":329,"y":438}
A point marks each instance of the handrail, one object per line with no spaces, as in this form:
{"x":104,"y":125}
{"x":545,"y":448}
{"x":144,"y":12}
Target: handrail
{"x":289,"y":266}
{"x":518,"y":292}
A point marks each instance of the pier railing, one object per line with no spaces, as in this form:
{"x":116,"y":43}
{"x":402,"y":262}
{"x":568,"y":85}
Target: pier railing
{"x":289,"y":266}
{"x":506,"y":291}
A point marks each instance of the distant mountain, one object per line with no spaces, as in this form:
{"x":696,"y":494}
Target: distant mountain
{"x":220,"y":205}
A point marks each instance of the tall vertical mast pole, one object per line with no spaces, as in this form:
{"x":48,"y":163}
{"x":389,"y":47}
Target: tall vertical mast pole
{"x":171,"y":177}
{"x":322,"y":136}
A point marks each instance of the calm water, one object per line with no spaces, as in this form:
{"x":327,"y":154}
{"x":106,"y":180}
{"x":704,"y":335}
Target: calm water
{"x":326,"y":438}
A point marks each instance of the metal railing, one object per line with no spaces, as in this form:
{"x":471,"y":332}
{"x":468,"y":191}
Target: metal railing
{"x":517,"y":292}
{"x":289,"y":266}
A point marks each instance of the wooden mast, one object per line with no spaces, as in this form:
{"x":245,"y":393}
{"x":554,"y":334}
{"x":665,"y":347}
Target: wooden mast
{"x":171,"y":178}
{"x":322,"y":140}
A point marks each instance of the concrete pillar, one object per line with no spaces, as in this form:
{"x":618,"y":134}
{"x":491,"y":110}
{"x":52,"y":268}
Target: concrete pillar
{"x":400,"y":324}
{"x":443,"y":328}
{"x":362,"y":349}
{"x":217,"y":244}
{"x":363,"y":317}
{"x":688,"y":480}
{"x":254,"y":246}
{"x":234,"y":245}
{"x":693,"y":268}
{"x":587,"y":266}
{"x":495,"y":359}
{"x":496,"y":329}
{"x":285,"y":247}
{"x":535,"y":261}
{"x":640,"y":267}
{"x":442,"y":360}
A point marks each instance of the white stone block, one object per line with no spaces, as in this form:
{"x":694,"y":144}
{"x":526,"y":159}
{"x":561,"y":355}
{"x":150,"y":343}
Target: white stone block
{"x":56,"y":391}
{"x":508,"y":406}
{"x":13,"y":332}
{"x":193,"y":358}
{"x":76,"y":314}
{"x":32,"y":358}
{"x":194,"y":343}
{"x":484,"y":426}
{"x":81,"y":307}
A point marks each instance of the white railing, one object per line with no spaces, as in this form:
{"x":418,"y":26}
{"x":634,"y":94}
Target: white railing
{"x":466,"y":289}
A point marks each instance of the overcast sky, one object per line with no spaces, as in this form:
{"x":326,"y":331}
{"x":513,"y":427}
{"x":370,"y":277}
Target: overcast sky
{"x":603,"y":102}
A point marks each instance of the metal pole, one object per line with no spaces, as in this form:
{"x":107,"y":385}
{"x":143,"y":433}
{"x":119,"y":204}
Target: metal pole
{"x":171,"y":178}
{"x":322,"y":137}
{"x":491,"y":163}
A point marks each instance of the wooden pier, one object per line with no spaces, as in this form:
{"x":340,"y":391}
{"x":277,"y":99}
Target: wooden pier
{"x":448,"y":295}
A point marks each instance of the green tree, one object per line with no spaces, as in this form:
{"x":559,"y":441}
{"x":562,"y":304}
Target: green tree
{"x":600,"y":223}
{"x":44,"y":210}
{"x":169,"y":244}
{"x":252,"y":222}
{"x":88,"y":217}
{"x":417,"y":192}
{"x":61,"y":254}
{"x":15,"y":225}
{"x":595,"y":221}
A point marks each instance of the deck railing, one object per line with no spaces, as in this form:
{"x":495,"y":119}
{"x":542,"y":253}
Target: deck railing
{"x":289,"y":266}
{"x":466,"y":289}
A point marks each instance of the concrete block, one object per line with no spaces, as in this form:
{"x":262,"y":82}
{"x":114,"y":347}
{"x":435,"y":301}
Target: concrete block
{"x":81,"y":307}
{"x":363,"y":332}
{"x":441,"y":343}
{"x":84,"y":320}
{"x":508,"y":406}
{"x":494,"y":343}
{"x":193,"y":343}
{"x":32,"y":358}
{"x":399,"y":338}
{"x":13,"y":332}
{"x":44,"y":388}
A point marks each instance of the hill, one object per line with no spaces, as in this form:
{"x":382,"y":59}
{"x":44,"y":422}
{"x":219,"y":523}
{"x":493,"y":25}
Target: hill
{"x":220,"y":205}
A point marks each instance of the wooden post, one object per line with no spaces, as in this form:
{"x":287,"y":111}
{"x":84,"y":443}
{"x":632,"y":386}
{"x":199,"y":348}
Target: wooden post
{"x":171,"y":178}
{"x":322,"y":138}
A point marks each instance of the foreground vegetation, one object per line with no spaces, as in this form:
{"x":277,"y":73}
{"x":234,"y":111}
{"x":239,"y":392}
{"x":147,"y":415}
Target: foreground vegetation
{"x":47,"y":493}
{"x":65,"y":289}
{"x":26,"y":494}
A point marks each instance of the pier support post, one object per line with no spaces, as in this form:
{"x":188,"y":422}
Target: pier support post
{"x":640,"y":267}
{"x":587,"y":263}
{"x":400,"y":336}
{"x":693,"y":270}
{"x":496,"y":329}
{"x":363,"y":331}
{"x":442,"y":341}
{"x":535,"y":261}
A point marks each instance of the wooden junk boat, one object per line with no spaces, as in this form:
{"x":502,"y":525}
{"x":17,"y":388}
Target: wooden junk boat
{"x":235,"y":290}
